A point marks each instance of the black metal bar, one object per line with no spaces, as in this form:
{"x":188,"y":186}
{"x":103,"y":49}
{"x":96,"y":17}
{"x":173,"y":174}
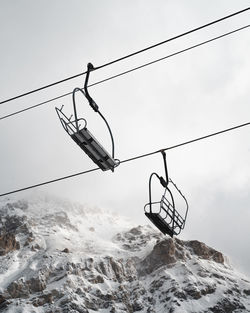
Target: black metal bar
{"x":95,"y":106}
{"x":165,"y":165}
{"x":68,"y":123}
{"x":172,"y":198}
{"x":110,"y":132}
{"x":186,"y":202}
{"x":150,"y":191}
{"x":74,"y":106}
{"x":92,"y":103}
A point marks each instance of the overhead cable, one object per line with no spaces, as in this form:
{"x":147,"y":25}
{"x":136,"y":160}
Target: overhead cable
{"x":171,"y":55}
{"x":130,"y":159}
{"x":174,"y":38}
{"x":129,"y":71}
{"x":129,"y":55}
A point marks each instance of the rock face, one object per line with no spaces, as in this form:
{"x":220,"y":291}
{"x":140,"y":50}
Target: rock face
{"x":8,"y":243}
{"x":59,"y":257}
{"x":205,"y":252}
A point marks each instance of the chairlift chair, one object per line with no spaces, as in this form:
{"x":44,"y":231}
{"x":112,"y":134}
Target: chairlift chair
{"x":166,"y":218}
{"x":82,"y":136}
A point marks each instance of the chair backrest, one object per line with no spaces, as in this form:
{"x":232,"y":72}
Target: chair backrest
{"x":172,"y":217}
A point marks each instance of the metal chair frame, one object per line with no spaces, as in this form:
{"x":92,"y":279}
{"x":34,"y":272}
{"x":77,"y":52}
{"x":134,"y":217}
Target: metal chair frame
{"x":167,"y":219}
{"x":82,"y":136}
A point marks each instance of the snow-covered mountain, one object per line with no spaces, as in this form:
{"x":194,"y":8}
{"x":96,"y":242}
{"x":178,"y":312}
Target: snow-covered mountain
{"x":56,"y":256}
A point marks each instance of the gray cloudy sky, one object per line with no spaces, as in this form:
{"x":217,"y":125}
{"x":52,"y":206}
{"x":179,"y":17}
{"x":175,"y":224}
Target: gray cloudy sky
{"x":187,"y":96}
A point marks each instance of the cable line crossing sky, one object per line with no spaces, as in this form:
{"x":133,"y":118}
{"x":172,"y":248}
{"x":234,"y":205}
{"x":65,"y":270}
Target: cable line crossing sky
{"x":130,"y":55}
{"x":127,"y":72}
{"x":129,"y":160}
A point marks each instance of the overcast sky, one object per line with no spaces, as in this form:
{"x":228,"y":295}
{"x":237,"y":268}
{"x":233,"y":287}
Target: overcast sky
{"x":184,"y":97}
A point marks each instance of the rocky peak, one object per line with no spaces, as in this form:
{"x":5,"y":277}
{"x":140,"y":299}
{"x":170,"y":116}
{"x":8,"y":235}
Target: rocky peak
{"x":75,"y":266}
{"x":164,"y":253}
{"x":8,"y":243}
{"x":205,"y":252}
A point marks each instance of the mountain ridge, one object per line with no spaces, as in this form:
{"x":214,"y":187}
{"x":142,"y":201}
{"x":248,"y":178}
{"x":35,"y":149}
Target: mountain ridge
{"x":56,"y":256}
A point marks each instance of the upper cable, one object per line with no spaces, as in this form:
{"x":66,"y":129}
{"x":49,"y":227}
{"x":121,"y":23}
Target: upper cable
{"x":129,"y":71}
{"x":129,"y":55}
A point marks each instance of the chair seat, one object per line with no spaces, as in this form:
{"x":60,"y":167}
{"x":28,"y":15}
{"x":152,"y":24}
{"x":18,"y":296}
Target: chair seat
{"x":160,"y":223}
{"x":94,"y":149}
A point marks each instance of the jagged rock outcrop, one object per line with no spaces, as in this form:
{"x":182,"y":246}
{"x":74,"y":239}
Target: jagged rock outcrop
{"x":205,"y":252}
{"x":8,"y":243}
{"x":71,"y":267}
{"x":165,"y":252}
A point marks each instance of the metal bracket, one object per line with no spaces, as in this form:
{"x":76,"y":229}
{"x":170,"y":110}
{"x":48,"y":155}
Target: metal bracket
{"x":92,"y":103}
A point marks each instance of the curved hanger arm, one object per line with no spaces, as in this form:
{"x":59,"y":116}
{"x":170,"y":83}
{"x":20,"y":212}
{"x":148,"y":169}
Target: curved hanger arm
{"x":165,"y":166}
{"x":95,"y":107}
{"x":150,"y":189}
{"x":110,"y":132}
{"x":92,"y":103}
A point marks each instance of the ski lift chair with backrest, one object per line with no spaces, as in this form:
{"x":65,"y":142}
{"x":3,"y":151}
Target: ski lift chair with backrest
{"x":163,"y":213}
{"x":82,"y":136}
